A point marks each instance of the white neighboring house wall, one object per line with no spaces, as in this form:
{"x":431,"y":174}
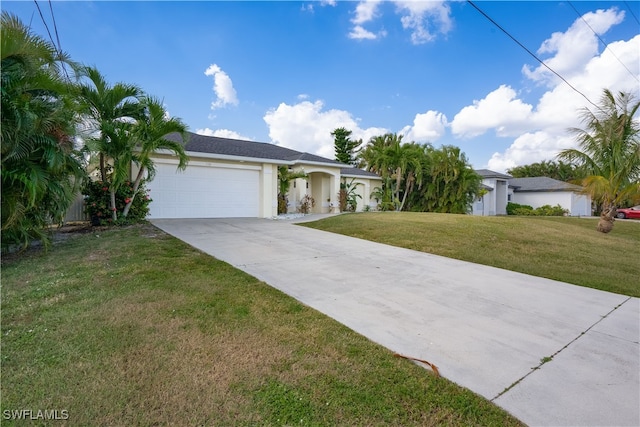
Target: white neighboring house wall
{"x":481,"y":205}
{"x":577,"y":204}
{"x":540,"y":191}
{"x":494,"y":202}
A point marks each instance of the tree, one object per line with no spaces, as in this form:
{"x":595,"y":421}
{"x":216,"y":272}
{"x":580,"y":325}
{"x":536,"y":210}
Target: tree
{"x":111,"y":112}
{"x":609,"y":151}
{"x":557,"y":170}
{"x":149,"y":135}
{"x":388,"y":157}
{"x":285,"y":176}
{"x":40,"y":167}
{"x":344,"y":146}
{"x":451,"y":184}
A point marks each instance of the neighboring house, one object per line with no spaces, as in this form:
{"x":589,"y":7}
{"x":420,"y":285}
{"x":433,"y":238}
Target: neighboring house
{"x":494,"y":201}
{"x":540,"y":191}
{"x":236,"y":178}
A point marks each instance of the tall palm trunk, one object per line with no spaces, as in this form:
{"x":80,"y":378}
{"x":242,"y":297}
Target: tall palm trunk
{"x":136,"y":185}
{"x":103,"y":169}
{"x":114,"y":213}
{"x":398,"y":182}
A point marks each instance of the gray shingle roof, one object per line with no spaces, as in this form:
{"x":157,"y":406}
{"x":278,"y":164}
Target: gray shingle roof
{"x":237,"y":147}
{"x":486,"y":173}
{"x":541,"y":183}
{"x":358,"y":172}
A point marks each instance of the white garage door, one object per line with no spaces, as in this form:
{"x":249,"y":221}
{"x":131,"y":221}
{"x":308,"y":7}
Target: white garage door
{"x":204,"y":191}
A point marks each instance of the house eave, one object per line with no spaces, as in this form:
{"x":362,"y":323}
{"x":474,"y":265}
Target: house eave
{"x":559,"y":190}
{"x":348,"y":175}
{"x":199,"y":154}
{"x":306,"y":162}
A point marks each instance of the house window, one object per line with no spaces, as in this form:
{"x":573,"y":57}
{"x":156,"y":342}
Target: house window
{"x":294,"y":184}
{"x":307,"y":184}
{"x":508,"y":197}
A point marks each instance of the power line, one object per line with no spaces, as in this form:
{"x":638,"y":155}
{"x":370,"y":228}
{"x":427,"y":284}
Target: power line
{"x":631,"y":12}
{"x":44,"y":22}
{"x":56,"y":47}
{"x":529,"y":52}
{"x":606,"y":46}
{"x":55,"y":28}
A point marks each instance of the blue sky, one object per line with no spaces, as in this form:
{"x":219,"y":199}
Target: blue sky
{"x":290,"y":72}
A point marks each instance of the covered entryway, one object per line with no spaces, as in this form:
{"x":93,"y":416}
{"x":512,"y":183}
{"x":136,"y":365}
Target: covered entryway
{"x":204,"y":190}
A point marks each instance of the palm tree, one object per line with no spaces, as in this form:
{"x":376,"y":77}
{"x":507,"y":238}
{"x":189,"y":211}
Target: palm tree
{"x":388,"y":157}
{"x":110,"y":110}
{"x":285,"y":176}
{"x":452,"y":183}
{"x":39,"y":165}
{"x":609,"y":152}
{"x":150,"y":136}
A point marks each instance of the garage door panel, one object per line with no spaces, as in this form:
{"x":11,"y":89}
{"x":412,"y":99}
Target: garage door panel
{"x":204,"y":192}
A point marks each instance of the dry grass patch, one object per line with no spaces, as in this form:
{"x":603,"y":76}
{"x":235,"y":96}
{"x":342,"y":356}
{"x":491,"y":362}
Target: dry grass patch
{"x":135,"y":328}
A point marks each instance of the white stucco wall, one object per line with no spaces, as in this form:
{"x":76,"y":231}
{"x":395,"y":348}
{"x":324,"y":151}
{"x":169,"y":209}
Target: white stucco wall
{"x":495,"y":201}
{"x":269,"y":190}
{"x":577,"y":204}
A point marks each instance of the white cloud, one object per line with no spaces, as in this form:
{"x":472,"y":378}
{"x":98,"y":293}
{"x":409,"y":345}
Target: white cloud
{"x":359,"y":33}
{"x":425,"y":19}
{"x":529,"y":148}
{"x":574,"y":48}
{"x":427,"y":127}
{"x":306,"y":127}
{"x":366,"y":11}
{"x":222,"y":133}
{"x":499,"y":110}
{"x":541,"y":130}
{"x":222,"y":87}
{"x":309,"y":6}
{"x":303,"y":96}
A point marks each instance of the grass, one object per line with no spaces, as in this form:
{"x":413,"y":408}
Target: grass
{"x":132,"y":327}
{"x":565,"y":249}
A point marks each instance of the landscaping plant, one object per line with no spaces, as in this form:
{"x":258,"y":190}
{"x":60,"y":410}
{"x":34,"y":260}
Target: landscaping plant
{"x":97,"y":202}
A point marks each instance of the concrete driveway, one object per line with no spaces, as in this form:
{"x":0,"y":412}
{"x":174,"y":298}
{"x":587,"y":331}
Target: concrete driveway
{"x":487,"y":329}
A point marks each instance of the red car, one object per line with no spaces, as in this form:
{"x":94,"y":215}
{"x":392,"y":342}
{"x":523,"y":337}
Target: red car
{"x":633,"y":212}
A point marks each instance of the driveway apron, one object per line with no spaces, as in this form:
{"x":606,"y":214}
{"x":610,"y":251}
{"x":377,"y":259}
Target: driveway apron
{"x":550,"y":353}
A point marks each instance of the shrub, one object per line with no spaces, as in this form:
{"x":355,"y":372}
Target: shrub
{"x":526,"y":210}
{"x":548,"y":210}
{"x":513,"y":207}
{"x":97,"y":203}
{"x":306,"y":204}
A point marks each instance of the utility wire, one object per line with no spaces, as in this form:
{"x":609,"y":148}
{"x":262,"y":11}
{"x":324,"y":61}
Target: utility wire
{"x":631,"y":12}
{"x":57,"y":47}
{"x":606,"y":46}
{"x":44,"y":22}
{"x":55,"y":28}
{"x":529,"y":52}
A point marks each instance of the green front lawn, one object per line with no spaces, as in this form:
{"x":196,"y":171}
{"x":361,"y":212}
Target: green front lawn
{"x":565,"y":249}
{"x":132,"y":327}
